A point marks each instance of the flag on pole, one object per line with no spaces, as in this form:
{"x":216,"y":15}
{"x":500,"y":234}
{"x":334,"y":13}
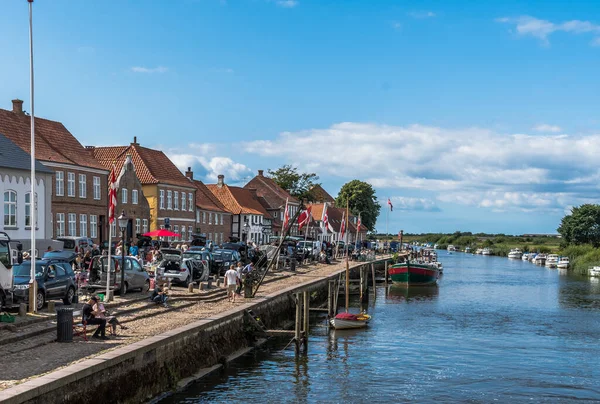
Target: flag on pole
{"x":286,"y":217}
{"x":325,"y":218}
{"x":112,"y":196}
{"x":343,"y":226}
{"x":391,"y":206}
{"x":304,"y":218}
{"x":358,"y":224}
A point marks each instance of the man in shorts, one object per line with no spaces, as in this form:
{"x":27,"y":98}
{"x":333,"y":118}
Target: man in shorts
{"x":231,"y":281}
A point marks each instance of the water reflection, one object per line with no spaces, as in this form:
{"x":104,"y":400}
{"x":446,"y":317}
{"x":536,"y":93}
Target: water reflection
{"x":579,"y":292}
{"x":412,"y":293}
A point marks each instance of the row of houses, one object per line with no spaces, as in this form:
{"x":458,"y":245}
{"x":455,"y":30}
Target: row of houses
{"x":72,"y":191}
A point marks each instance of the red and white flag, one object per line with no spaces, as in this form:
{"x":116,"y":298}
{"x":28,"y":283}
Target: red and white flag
{"x":112,"y":195}
{"x":325,"y":218}
{"x":343,"y":226}
{"x":286,"y":217}
{"x":304,"y":217}
{"x":391,"y":206}
{"x":358,"y":225}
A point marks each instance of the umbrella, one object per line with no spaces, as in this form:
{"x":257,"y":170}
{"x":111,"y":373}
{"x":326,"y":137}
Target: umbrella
{"x":161,"y":233}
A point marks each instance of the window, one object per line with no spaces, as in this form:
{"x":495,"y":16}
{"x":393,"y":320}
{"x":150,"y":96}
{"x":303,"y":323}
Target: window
{"x":93,"y":225}
{"x":124,"y":195}
{"x":162,"y":199}
{"x":113,"y":227}
{"x":176,"y":200}
{"x":209,"y":217}
{"x":191,"y":201}
{"x":96,"y":188}
{"x":203,"y":217}
{"x":190,"y":231}
{"x":71,"y":184}
{"x":60,"y":183}
{"x":169,"y":200}
{"x":183,"y":200}
{"x":221,"y":218}
{"x":145,"y":225}
{"x":72,"y":224}
{"x":183,"y":237}
{"x":197,"y":216}
{"x":83,"y":225}
{"x":60,"y":224}
{"x":28,"y":209}
{"x":134,"y":196}
{"x":82,"y":186}
{"x":10,"y":209}
{"x":176,"y":230}
{"x":138,"y":226}
{"x":221,"y":238}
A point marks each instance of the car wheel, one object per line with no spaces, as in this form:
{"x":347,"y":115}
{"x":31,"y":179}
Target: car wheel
{"x":69,"y":297}
{"x":40,"y":300}
{"x":124,"y":289}
{"x":187,"y":281}
{"x":146,"y":287}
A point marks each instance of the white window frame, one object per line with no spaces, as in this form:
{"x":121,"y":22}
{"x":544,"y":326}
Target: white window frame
{"x":60,"y":225}
{"x":183,"y":235}
{"x":203,"y":217}
{"x":161,"y":199}
{"x":10,"y":204}
{"x":221,"y":219}
{"x":82,"y":186}
{"x":138,"y":226}
{"x":134,"y":196}
{"x":28,"y":210}
{"x":176,"y":200}
{"x":210,"y":215}
{"x":176,"y":230}
{"x":113,"y":225}
{"x":190,"y":231}
{"x":183,"y":201}
{"x":71,"y":184}
{"x":83,"y":224}
{"x":124,"y":195}
{"x":169,"y":200}
{"x":72,"y":220}
{"x":145,"y":225}
{"x":197,"y":216}
{"x":93,"y":226}
{"x":60,"y":183}
{"x":191,"y":201}
{"x":96,"y":181}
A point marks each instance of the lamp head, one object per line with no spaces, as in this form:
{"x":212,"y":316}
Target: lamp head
{"x":122,"y":221}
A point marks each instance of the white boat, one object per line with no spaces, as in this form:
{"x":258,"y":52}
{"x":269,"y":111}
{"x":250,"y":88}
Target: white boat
{"x":361,"y":321}
{"x":552,"y":261}
{"x":540,"y":259}
{"x":515,"y":253}
{"x":435,"y":247}
{"x":486,"y":251}
{"x":595,"y":271}
{"x":451,"y":248}
{"x":563,"y":263}
{"x":532,"y":257}
{"x":525,"y":257}
{"x":467,"y":250}
{"x":479,"y":251}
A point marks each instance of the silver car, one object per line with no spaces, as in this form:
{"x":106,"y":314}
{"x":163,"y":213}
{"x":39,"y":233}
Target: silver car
{"x":135,"y":275}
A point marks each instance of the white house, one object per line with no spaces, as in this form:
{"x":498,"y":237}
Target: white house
{"x":15,"y":191}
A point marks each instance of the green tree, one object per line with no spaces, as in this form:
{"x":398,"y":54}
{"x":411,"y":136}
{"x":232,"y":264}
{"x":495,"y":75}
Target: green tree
{"x":298,"y":184}
{"x":361,"y":199}
{"x":582,"y":226}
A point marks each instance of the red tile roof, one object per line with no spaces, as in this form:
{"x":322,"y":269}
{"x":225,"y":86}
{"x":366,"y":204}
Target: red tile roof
{"x":271,"y":191}
{"x":206,"y":200}
{"x":237,"y":200}
{"x":53,"y":142}
{"x":320,"y":195}
{"x":151,"y":166}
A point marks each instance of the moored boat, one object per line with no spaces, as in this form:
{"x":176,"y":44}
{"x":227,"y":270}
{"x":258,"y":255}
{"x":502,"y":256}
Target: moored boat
{"x":412,"y":273}
{"x":563,"y":263}
{"x":552,"y":261}
{"x":594,"y":271}
{"x":525,"y":257}
{"x":540,"y":259}
{"x":451,"y":248}
{"x":347,"y":321}
{"x":486,"y":251}
{"x":479,"y":251}
{"x":515,"y":253}
{"x":467,"y":250}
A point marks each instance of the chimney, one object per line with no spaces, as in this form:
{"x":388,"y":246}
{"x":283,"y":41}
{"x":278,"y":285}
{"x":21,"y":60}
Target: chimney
{"x":189,"y":173}
{"x":18,"y":106}
{"x":260,"y":173}
{"x":221,"y":180}
{"x":135,"y":143}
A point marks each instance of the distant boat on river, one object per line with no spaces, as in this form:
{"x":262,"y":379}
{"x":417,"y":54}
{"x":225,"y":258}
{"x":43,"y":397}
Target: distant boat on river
{"x":409,"y":273}
{"x":515,"y":253}
{"x":563,"y":263}
{"x":486,"y":251}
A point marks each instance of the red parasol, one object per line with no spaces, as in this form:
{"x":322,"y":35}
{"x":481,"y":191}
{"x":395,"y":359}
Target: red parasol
{"x":161,"y":233}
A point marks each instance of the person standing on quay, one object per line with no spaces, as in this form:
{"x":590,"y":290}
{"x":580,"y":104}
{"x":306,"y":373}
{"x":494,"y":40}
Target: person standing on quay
{"x":231,"y":281}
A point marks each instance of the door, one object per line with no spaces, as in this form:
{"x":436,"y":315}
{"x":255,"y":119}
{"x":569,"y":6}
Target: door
{"x":137,"y":275}
{"x":56,"y":280}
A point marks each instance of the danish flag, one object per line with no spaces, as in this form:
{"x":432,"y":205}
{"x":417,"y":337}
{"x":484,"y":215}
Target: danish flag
{"x":286,"y":216}
{"x":304,"y":217}
{"x":112,"y":196}
{"x":343,"y":226}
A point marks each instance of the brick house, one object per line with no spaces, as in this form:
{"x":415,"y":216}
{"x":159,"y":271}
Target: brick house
{"x":212,"y":219}
{"x":130,"y":195}
{"x":276,"y":198}
{"x":319,"y":195}
{"x":170,"y":195}
{"x":247,"y":222}
{"x":79,"y":185}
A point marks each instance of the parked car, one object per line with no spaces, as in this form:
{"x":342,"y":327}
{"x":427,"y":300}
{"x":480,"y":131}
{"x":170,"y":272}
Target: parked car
{"x":113,"y":246}
{"x":225,"y":258}
{"x":75,"y":244}
{"x":55,"y":280}
{"x":172,"y":267}
{"x":200,"y":262}
{"x":135,"y":275}
{"x":68,"y":256}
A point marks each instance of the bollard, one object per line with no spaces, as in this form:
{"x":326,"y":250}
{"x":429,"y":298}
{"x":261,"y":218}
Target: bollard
{"x":51,"y":307}
{"x":219,"y":281}
{"x":23,"y":309}
{"x":64,"y":325}
{"x":202,"y":286}
{"x":209,"y":284}
{"x":191,"y":288}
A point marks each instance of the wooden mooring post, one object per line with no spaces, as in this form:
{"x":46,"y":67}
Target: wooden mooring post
{"x":330,"y":299}
{"x":306,"y":320}
{"x":385,"y":275}
{"x":364,"y":284}
{"x":298,"y":325}
{"x":373,"y":279}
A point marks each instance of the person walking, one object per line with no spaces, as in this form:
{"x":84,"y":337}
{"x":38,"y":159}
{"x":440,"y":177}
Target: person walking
{"x":239,"y":268}
{"x":232,"y":279}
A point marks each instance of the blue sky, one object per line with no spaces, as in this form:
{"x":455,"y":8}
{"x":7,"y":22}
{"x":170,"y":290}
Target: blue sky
{"x":472,"y":117}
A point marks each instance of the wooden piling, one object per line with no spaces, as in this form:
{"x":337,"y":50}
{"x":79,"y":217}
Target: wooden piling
{"x":373,"y":278}
{"x":385,"y":276}
{"x":330,"y":293}
{"x":306,"y":318}
{"x":298,"y":323}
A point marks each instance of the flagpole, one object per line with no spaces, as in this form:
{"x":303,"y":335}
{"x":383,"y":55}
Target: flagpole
{"x":107,"y":296}
{"x":32,"y":198}
{"x":347,"y":290}
{"x":387,"y":217}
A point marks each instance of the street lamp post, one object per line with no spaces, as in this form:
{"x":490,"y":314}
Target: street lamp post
{"x":246,"y":231}
{"x":123,"y":226}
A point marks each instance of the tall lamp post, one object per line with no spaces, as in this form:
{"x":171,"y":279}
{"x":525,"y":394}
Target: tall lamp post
{"x":246,"y":231}
{"x":123,"y":226}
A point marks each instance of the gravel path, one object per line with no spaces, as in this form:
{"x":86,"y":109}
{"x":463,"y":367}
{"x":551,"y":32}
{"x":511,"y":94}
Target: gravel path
{"x":35,"y":356}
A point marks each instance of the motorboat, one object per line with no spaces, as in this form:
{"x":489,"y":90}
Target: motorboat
{"x":532,"y":257}
{"x":525,"y":257}
{"x":594,"y":271}
{"x":540,"y":259}
{"x":479,"y":251}
{"x":467,"y":250}
{"x":515,"y":253}
{"x":486,"y":251}
{"x":451,"y":248}
{"x":552,"y":261}
{"x":435,"y":247}
{"x":347,"y":321}
{"x":563,"y":263}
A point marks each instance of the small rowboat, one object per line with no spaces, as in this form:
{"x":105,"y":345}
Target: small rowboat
{"x":347,"y":321}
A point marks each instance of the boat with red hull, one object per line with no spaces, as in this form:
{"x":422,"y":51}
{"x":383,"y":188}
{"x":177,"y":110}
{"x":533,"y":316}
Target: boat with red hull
{"x":409,"y":273}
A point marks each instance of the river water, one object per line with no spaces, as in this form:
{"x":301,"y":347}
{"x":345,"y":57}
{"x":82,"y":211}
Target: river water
{"x":493,"y":330}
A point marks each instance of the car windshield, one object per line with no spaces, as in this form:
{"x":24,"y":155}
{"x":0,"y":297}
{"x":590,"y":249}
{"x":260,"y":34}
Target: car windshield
{"x":192,"y":254}
{"x":68,"y":243}
{"x":25,"y":268}
{"x":223,"y":255}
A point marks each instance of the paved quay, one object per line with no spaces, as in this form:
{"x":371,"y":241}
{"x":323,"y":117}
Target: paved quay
{"x":39,"y":354}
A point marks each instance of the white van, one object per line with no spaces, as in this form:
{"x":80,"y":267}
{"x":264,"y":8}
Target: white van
{"x":76,"y":244}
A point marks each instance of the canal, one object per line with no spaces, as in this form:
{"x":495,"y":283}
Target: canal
{"x":493,"y":330}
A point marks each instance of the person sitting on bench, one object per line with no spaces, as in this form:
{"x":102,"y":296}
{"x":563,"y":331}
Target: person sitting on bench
{"x":90,"y":318}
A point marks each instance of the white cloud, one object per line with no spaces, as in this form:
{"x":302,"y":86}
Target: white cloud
{"x":203,"y":156}
{"x":287,"y":3}
{"x":421,"y":14}
{"x":542,"y":29}
{"x":471,"y":166}
{"x":412,"y":204}
{"x":158,"y":69}
{"x":543,"y":127}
